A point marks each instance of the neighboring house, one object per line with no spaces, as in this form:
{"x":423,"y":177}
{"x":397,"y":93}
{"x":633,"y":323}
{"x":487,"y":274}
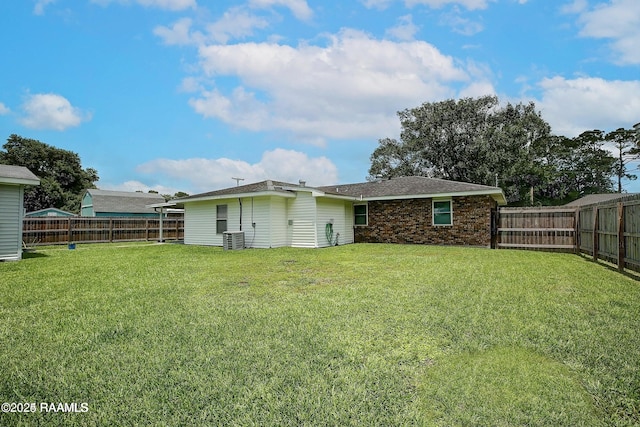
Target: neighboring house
{"x":399,"y":210}
{"x":49,"y":212}
{"x":592,"y":199}
{"x":12,"y":182}
{"x":105,"y":203}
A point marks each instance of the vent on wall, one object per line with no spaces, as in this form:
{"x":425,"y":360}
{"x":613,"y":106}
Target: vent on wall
{"x":232,"y":240}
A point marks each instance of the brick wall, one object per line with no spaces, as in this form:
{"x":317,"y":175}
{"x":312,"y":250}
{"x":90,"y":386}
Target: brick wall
{"x":409,"y":221}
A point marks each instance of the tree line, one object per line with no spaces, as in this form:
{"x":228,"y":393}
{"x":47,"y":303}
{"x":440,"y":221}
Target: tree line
{"x":478,"y":141}
{"x":471,"y":139}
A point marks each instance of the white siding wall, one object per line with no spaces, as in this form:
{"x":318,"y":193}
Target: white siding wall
{"x":279,"y":222}
{"x":200,"y":221}
{"x":302,"y":212}
{"x":11,"y":222}
{"x":269,"y":215}
{"x":337,"y":211}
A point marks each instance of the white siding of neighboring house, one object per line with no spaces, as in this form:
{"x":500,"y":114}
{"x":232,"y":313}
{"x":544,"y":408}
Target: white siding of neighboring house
{"x":341,"y":212}
{"x":11,"y":208}
{"x":302,"y":233}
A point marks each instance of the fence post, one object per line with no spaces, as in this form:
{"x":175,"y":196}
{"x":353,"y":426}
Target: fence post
{"x":69,"y":231}
{"x":110,"y":230}
{"x":621,"y":241}
{"x":576,"y":230}
{"x":595,"y":233}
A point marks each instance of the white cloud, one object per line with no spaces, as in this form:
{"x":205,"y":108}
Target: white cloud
{"x":299,"y":8}
{"x":133,"y":186}
{"x":4,"y":109}
{"x":51,"y":111}
{"x":405,"y":30}
{"x":618,"y":21}
{"x":179,"y":33}
{"x":574,"y":106}
{"x":350,"y":88}
{"x":459,"y":24}
{"x":212,"y":174}
{"x":38,"y":9}
{"x":173,"y":5}
{"x":236,"y":23}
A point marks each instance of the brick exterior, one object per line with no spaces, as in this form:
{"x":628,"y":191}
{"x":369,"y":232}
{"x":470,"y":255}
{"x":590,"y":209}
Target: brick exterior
{"x":409,"y":221}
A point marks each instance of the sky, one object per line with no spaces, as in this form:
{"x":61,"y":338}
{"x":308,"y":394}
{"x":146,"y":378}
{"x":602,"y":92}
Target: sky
{"x":184,"y":95}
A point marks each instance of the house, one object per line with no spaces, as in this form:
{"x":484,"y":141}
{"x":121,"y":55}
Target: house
{"x":398,"y":210}
{"x":49,"y":212}
{"x":105,"y":203}
{"x":12,"y":182}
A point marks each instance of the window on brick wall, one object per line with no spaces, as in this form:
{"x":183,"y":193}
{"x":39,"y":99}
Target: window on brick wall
{"x":442,"y":212}
{"x":360,"y":215}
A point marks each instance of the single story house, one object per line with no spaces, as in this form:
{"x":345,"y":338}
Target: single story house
{"x":12,"y":182}
{"x":106,"y":203}
{"x":399,"y":210}
{"x":49,"y":212}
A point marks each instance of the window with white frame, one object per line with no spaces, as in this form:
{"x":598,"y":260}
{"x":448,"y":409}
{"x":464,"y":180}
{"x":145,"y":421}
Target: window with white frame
{"x":221,"y":219}
{"x":360,"y":215}
{"x":442,"y":211}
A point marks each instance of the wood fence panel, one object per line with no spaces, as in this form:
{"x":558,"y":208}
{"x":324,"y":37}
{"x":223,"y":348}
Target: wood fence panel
{"x":608,"y":233}
{"x":631,"y":233}
{"x":49,"y":231}
{"x":537,"y":228}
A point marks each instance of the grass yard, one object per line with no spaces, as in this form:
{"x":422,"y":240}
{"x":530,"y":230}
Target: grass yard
{"x":351,"y":335}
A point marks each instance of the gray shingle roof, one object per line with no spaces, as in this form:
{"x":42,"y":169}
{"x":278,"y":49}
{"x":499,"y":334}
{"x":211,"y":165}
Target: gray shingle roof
{"x":396,"y":187}
{"x":408,"y":186}
{"x":123,"y":201}
{"x":10,"y":173}
{"x":257,"y":187}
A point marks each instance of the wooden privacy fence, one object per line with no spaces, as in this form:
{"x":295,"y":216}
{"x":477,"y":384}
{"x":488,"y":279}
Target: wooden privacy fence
{"x":49,"y":231}
{"x":544,"y":228}
{"x":609,"y":231}
{"x":612,"y":232}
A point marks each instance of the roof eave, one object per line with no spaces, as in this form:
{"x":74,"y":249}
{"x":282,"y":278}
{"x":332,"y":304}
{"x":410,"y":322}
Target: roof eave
{"x":497,"y":195}
{"x":235,"y":196}
{"x":19,"y":181}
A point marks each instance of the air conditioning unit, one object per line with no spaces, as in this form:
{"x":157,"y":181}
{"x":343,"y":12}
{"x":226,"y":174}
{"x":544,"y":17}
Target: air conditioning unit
{"x":232,"y":240}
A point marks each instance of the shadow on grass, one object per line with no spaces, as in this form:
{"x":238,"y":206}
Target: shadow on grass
{"x":32,"y":254}
{"x":612,"y":267}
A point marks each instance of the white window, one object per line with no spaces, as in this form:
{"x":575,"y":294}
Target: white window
{"x":442,"y":212}
{"x":221,"y":219}
{"x":360,"y":215}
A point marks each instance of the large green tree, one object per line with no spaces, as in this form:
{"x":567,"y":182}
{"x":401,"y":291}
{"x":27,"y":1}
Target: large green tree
{"x":564,"y":169}
{"x":623,"y":141}
{"x":471,"y":139}
{"x":62,"y":178}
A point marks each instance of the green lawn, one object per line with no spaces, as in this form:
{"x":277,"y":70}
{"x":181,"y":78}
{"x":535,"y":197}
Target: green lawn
{"x":350,"y":335}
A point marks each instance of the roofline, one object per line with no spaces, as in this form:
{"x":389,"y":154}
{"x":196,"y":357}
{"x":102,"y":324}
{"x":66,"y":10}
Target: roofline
{"x":19,"y":181}
{"x":234,"y":196}
{"x":497,"y":195}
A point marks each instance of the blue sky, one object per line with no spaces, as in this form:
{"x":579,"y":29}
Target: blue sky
{"x":183,"y":95}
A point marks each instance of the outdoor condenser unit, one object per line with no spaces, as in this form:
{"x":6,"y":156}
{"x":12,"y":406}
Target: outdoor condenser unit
{"x":232,"y":240}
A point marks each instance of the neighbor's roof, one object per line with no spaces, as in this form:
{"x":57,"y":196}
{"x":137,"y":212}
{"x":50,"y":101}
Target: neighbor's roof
{"x":591,"y":199}
{"x":412,"y":187}
{"x":10,"y":174}
{"x":122,"y":201}
{"x":52,"y":210}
